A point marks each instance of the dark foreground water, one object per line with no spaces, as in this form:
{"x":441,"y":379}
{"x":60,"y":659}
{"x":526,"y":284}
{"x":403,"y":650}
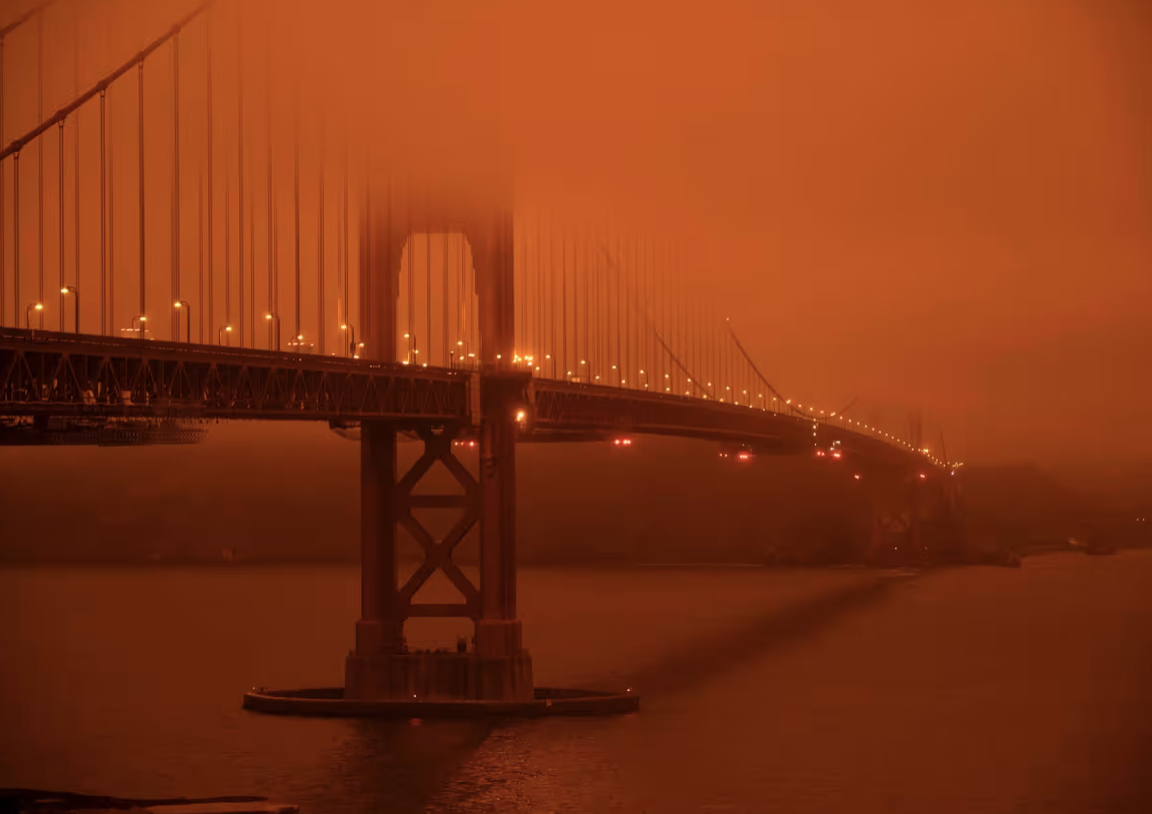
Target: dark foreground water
{"x":970,"y":690}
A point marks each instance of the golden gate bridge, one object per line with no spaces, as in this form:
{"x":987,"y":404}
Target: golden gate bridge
{"x":146,"y":227}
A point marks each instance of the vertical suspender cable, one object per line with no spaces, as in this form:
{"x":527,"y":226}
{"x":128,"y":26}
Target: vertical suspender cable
{"x":40,"y":156}
{"x":227,"y":254}
{"x":619,"y":302}
{"x":296,"y":199}
{"x":347,"y":303}
{"x":75,"y":148}
{"x":428,"y":294}
{"x":16,"y":237}
{"x":60,"y":268}
{"x":200,"y":256}
{"x":176,"y":178}
{"x":240,"y":167}
{"x":320,"y":246}
{"x":272,"y":306}
{"x":103,"y":223}
{"x":140,"y":117}
{"x":111,"y":220}
{"x":410,"y":329}
{"x":444,"y":303}
{"x":564,"y":305}
{"x":587,"y":372}
{"x":211,"y":254}
{"x":3,"y":222}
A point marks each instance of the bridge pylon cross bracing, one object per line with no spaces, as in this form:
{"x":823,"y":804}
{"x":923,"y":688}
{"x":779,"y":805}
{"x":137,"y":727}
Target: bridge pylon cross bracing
{"x":497,"y":667}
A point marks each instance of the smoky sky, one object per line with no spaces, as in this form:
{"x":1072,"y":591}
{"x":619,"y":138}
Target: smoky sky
{"x":938,"y":206}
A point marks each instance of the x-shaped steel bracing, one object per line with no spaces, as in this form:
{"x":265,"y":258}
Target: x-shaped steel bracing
{"x":438,"y":555}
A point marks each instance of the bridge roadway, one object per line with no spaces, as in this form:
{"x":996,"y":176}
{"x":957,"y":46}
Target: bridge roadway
{"x":62,"y":374}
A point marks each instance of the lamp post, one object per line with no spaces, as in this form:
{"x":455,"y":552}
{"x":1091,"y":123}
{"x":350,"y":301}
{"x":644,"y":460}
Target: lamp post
{"x":141,"y":319}
{"x":350,"y":344}
{"x":36,"y":306}
{"x":273,"y":318}
{"x":71,"y":289}
{"x":183,"y":304}
{"x":224,"y":329}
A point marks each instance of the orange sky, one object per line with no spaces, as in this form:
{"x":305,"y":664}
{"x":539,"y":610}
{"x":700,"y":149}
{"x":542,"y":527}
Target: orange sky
{"x":940,"y":205}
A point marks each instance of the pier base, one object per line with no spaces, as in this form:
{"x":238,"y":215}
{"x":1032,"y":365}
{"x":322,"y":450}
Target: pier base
{"x":438,"y":676}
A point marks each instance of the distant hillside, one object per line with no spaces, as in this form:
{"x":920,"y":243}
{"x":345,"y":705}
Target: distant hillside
{"x":278,"y":492}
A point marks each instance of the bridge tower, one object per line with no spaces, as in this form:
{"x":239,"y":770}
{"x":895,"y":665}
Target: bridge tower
{"x":497,"y":667}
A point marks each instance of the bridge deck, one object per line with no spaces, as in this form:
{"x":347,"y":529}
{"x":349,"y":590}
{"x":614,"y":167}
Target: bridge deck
{"x":60,"y":374}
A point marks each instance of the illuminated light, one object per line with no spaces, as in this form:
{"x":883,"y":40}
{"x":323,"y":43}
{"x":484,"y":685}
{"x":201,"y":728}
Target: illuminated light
{"x":613,"y":367}
{"x":789,"y":401}
{"x":174,"y":305}
{"x":299,"y":338}
{"x":425,"y":364}
{"x":641,"y":372}
{"x":266,"y":316}
{"x":667,"y":376}
{"x":417,"y":351}
{"x":471,"y":356}
{"x":404,"y":362}
{"x":497,"y":355}
{"x":406,"y":336}
{"x":459,"y":342}
{"x":923,"y":476}
{"x":666,"y":389}
{"x":581,"y":361}
{"x":547,"y":356}
{"x":343,"y":327}
{"x":857,"y":477}
{"x":519,"y":415}
{"x":359,"y":344}
{"x":142,"y":319}
{"x":538,"y":368}
{"x":569,"y":372}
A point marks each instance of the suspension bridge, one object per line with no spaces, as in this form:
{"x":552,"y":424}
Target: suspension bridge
{"x":178,"y":242}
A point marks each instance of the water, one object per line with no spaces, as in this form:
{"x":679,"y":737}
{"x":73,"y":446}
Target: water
{"x":969,"y":690}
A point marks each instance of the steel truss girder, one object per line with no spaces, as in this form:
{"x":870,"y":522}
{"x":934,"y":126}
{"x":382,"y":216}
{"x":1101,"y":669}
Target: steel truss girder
{"x":589,"y":408}
{"x":438,"y":554}
{"x":60,"y":374}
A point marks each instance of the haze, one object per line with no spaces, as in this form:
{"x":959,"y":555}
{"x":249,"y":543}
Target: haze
{"x":941,"y":206}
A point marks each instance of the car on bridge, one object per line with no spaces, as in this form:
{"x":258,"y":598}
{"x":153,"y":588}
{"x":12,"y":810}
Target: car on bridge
{"x":834,"y":452}
{"x":740,"y":452}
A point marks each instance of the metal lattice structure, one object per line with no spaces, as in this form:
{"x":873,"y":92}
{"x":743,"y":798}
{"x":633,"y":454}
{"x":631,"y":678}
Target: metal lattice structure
{"x":65,"y":375}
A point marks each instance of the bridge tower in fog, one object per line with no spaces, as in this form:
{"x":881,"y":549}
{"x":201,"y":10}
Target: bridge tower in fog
{"x":498,"y":667}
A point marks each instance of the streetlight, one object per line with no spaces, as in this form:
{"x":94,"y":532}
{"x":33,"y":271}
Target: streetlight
{"x":36,"y":306}
{"x":71,"y":289}
{"x":350,"y":347}
{"x":141,"y":319}
{"x":188,"y":319}
{"x":224,"y":329}
{"x":269,"y":318}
